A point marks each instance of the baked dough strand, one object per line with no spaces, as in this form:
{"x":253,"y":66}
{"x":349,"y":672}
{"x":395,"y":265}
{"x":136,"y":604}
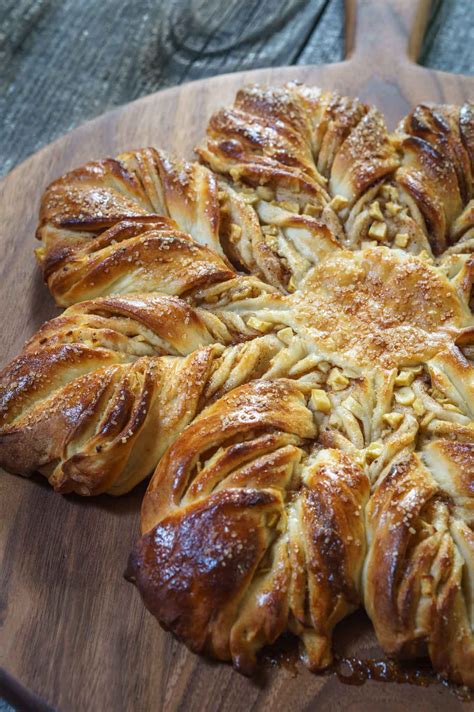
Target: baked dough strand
{"x":282,"y":332}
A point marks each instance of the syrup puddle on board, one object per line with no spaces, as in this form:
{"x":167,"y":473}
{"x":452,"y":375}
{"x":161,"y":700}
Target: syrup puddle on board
{"x":351,"y":670}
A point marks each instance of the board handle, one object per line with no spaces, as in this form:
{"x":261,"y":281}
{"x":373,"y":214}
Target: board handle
{"x":385,"y":33}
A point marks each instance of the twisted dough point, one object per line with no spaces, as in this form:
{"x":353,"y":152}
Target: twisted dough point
{"x":304,"y":172}
{"x":418,"y":578}
{"x":245,"y":536}
{"x":250,"y":529}
{"x":305,"y":151}
{"x":419,"y":572}
{"x":437,"y":165}
{"x":112,"y":227}
{"x":117,"y":226}
{"x":100,"y":392}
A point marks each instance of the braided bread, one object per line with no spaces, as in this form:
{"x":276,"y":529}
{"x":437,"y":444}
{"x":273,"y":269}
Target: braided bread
{"x":253,"y":526}
{"x":285,"y":332}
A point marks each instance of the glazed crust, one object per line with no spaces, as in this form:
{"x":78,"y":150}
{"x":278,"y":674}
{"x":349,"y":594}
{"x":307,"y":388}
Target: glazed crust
{"x":319,"y":506}
{"x":99,"y":392}
{"x":333,"y":158}
{"x":248,"y":523}
{"x":283,"y":333}
{"x":121,"y":225}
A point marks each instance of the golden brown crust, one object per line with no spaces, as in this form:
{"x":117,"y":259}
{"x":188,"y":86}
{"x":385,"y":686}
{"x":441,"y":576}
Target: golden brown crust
{"x":418,"y":588}
{"x":366,"y":156}
{"x":118,"y":221}
{"x":294,"y":323}
{"x":242,"y":523}
{"x":163,"y":261}
{"x":437,"y":166}
{"x":332,"y":157}
{"x":419,"y":518}
{"x":419,"y":569}
{"x":86,"y":398}
{"x":379,"y":306}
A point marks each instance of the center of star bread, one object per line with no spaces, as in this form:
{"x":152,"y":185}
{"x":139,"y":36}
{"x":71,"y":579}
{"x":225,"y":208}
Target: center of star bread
{"x":378,"y":306}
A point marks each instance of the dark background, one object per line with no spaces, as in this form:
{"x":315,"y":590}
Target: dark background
{"x":65,"y":61}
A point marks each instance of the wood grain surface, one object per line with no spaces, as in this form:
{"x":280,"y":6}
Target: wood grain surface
{"x":73,"y":631}
{"x":65,"y":61}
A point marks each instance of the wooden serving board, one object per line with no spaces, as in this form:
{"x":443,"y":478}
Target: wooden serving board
{"x":74,"y":633}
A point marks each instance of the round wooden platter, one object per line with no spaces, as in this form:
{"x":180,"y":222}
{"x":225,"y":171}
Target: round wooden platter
{"x":74,"y":633}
